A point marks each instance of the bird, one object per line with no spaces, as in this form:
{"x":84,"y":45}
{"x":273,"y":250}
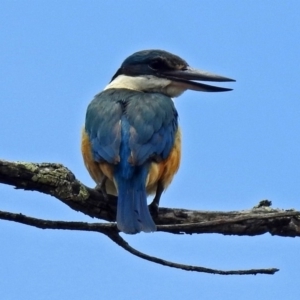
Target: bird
{"x":131,"y":141}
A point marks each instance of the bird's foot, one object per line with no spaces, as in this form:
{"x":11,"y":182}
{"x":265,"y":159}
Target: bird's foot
{"x":153,"y":208}
{"x":101,"y":188}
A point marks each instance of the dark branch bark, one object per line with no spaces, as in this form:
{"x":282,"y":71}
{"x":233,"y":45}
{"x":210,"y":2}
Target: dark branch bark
{"x":111,"y":231}
{"x":56,"y":180}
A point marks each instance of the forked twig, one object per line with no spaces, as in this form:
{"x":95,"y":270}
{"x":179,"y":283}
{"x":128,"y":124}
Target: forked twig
{"x":111,"y":231}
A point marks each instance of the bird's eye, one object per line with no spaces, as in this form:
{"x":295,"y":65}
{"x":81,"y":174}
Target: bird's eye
{"x":157,"y":64}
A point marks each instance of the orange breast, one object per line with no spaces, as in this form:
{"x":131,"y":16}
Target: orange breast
{"x":97,"y":170}
{"x":165,"y":170}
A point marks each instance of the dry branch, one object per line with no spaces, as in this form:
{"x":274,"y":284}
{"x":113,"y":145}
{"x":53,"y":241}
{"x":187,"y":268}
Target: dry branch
{"x":56,"y":180}
{"x":111,"y":231}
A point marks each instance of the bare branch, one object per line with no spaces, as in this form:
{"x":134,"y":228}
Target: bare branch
{"x":111,"y":231}
{"x":276,"y":222}
{"x":122,"y":243}
{"x":105,"y":228}
{"x":58,"y":181}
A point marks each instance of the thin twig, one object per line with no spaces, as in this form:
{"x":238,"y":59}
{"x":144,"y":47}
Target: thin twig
{"x":122,"y":243}
{"x":111,"y":231}
{"x":64,"y":225}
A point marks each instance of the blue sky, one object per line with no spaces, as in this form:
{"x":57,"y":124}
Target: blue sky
{"x":238,"y":147}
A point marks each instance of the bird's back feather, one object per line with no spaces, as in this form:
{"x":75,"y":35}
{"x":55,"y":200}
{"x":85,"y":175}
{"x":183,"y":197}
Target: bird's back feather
{"x":129,"y":130}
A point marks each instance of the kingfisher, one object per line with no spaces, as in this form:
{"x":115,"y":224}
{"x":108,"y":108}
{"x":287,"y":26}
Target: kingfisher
{"x":131,"y":141}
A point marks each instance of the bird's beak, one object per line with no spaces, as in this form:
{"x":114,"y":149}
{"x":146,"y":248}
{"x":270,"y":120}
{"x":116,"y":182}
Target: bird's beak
{"x":187,"y":78}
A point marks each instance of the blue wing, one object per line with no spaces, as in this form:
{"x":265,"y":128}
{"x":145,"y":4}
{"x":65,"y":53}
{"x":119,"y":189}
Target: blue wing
{"x":103,"y":127}
{"x":152,"y":120}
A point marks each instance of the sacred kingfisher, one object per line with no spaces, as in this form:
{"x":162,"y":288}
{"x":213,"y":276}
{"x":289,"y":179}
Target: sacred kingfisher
{"x":131,"y":142}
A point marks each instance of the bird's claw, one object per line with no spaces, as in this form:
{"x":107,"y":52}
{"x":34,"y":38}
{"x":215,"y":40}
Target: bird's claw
{"x":101,"y":188}
{"x":153,"y":208}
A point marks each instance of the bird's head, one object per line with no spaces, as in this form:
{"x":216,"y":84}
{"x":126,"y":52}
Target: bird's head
{"x":164,"y":72}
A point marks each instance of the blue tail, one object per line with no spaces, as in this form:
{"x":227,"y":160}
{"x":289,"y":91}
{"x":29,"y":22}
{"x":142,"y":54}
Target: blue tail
{"x":133,"y":214}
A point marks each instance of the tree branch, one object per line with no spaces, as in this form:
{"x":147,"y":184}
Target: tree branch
{"x":56,"y":180}
{"x":111,"y":231}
